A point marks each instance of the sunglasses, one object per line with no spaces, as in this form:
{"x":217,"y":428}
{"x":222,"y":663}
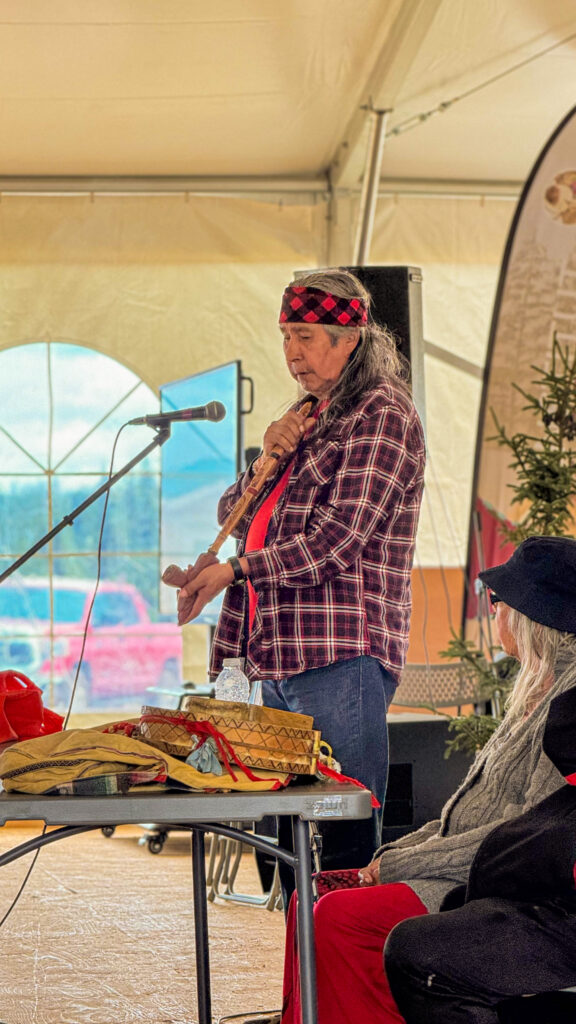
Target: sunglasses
{"x":493,"y":598}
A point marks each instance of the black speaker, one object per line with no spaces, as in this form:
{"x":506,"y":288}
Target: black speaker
{"x":397,"y":304}
{"x":420,"y":778}
{"x":250,"y":454}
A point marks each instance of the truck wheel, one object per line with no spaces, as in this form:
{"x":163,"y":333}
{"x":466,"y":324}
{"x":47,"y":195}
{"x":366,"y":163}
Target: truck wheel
{"x":170,"y":675}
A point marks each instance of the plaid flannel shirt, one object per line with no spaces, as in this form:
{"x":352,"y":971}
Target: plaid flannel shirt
{"x":333,"y":580}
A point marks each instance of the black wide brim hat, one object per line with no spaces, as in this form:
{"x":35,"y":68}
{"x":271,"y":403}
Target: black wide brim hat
{"x":539,"y":580}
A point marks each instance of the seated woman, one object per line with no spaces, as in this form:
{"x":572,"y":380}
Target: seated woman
{"x":534,"y":594}
{"x":516,"y":932}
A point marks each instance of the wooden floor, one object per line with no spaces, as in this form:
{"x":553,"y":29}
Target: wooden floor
{"x":104,"y":934}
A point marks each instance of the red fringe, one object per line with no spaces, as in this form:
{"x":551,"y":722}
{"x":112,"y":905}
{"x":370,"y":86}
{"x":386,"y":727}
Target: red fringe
{"x":323,"y":769}
{"x":225,"y":748}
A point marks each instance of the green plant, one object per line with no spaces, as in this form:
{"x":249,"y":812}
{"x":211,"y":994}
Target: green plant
{"x":545,"y":467}
{"x":489,"y":675}
{"x":472,"y":733}
{"x":545,"y":462}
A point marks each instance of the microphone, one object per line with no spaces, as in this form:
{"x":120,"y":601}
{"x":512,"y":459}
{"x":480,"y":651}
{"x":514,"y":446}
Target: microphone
{"x":213,"y":411}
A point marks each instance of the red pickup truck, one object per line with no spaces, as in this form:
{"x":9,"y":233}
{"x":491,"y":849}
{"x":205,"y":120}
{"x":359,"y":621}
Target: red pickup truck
{"x":126,"y":651}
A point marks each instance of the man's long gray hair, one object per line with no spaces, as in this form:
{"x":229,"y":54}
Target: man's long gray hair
{"x":376,"y":356}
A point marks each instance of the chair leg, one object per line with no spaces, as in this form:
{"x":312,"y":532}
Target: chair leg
{"x":217,"y":867}
{"x":274,"y":901}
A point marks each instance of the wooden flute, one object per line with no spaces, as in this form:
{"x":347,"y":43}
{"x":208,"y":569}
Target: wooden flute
{"x":174,"y":575}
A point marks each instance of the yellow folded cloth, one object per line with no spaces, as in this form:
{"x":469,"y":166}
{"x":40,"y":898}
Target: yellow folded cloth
{"x":48,"y":762}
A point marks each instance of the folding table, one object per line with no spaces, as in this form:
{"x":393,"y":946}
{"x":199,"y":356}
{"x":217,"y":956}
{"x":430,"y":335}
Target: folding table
{"x":201,"y":813}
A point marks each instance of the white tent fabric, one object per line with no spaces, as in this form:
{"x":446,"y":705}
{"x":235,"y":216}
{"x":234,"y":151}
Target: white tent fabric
{"x":277,"y":87}
{"x":170,"y":287}
{"x":167,"y":287}
{"x":458,"y":244}
{"x":165,"y":167}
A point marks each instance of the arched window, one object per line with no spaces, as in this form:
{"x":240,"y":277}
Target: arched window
{"x":61,"y":406}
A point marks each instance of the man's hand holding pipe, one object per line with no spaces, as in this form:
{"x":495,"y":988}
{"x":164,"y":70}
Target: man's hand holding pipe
{"x":284,"y":435}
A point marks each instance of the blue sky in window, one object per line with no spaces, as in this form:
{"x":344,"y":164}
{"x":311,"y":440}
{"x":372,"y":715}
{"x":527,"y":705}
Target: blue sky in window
{"x":88,"y":396}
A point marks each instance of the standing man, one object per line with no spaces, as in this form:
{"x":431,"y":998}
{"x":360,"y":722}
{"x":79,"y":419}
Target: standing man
{"x":318,"y":600}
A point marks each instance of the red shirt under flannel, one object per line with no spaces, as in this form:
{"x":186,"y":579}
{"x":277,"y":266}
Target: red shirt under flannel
{"x":333,"y":580}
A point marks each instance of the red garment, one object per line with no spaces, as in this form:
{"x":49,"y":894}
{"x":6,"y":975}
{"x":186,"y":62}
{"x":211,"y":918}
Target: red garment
{"x":351,"y":927}
{"x":256,"y":536}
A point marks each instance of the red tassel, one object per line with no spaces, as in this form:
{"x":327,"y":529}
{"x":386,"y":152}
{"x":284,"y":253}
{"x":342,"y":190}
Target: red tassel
{"x":323,"y":769}
{"x":127,"y":728}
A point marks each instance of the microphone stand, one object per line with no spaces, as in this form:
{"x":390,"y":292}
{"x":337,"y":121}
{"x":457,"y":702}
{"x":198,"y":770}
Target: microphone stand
{"x":162,"y":435}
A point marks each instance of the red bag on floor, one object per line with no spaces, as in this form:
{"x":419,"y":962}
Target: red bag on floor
{"x":22,"y":713}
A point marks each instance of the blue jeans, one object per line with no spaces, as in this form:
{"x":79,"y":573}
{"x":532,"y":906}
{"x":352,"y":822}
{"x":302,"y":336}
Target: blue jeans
{"x":348,"y":702}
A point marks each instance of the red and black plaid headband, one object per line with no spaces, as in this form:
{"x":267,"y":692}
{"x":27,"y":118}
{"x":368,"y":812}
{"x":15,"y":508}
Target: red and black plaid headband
{"x":314,"y":306}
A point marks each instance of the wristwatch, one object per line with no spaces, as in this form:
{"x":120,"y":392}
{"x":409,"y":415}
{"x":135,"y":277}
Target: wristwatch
{"x":239,"y":575}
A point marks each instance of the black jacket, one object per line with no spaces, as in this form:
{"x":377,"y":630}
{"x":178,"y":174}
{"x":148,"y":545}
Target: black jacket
{"x":533,"y":857}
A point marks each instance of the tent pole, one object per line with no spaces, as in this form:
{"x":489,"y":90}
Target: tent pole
{"x":370,"y":183}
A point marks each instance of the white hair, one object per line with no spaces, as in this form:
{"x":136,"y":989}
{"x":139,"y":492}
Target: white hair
{"x":538,"y":650}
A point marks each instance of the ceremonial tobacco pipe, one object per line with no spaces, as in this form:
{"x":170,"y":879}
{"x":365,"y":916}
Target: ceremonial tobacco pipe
{"x":175,"y":576}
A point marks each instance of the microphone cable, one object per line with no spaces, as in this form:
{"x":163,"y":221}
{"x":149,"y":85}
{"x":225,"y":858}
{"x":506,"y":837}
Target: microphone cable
{"x":78,"y":667}
{"x":97,"y":584}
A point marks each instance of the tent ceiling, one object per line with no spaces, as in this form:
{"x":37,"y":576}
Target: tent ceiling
{"x":276,"y":88}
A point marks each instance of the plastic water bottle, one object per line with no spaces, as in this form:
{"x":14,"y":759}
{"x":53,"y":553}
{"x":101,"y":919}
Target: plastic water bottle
{"x":256,"y":693}
{"x":232,"y":684}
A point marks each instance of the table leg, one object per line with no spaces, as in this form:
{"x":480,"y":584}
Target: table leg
{"x":307,"y":952}
{"x":201,"y":928}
